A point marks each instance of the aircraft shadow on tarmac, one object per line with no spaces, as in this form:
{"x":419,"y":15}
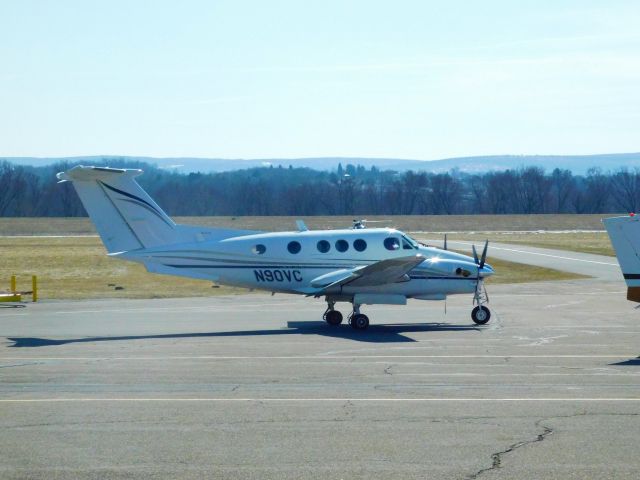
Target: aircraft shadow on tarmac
{"x":628,"y":363}
{"x":389,"y":333}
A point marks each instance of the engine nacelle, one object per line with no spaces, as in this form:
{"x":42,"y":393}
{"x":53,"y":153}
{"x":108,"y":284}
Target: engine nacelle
{"x":449,"y":268}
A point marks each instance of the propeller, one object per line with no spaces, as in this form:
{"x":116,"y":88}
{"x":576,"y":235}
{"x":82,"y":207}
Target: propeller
{"x":481,"y":294}
{"x":484,"y":254}
{"x":483,"y":258}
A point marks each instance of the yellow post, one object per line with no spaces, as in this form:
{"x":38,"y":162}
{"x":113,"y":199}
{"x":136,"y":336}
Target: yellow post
{"x":13,"y":284}
{"x":34,"y":288}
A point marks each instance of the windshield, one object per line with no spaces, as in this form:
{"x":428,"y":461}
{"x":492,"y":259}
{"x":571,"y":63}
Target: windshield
{"x":408,"y":243}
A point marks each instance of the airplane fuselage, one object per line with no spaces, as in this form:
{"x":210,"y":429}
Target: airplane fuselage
{"x":289,"y":261}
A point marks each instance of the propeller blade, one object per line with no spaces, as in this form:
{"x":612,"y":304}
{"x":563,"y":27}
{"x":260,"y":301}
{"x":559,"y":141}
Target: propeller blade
{"x":484,"y":254}
{"x":445,"y":241}
{"x":475,"y":254}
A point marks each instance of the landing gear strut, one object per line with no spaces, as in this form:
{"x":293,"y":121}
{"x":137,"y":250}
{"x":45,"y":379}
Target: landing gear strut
{"x":331,"y":316}
{"x":480,"y":313}
{"x":357,"y":320}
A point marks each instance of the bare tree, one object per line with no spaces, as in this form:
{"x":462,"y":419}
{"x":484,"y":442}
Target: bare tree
{"x":563,"y":188}
{"x":625,"y":187}
{"x":597,"y":190}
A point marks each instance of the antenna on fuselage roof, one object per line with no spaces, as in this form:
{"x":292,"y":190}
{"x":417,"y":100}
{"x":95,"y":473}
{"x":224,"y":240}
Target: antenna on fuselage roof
{"x":362,"y":223}
{"x":359,"y":224}
{"x":302,"y":227}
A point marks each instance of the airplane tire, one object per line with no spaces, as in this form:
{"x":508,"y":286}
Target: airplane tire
{"x":333,"y":317}
{"x":480,"y":315}
{"x":360,"y":321}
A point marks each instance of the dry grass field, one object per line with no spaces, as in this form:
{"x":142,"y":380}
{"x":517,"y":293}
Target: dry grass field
{"x":78,"y":267}
{"x":408,"y":223}
{"x":586,"y":242}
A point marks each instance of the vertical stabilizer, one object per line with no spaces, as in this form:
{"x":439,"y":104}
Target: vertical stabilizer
{"x":125,"y":216}
{"x":624,"y":233}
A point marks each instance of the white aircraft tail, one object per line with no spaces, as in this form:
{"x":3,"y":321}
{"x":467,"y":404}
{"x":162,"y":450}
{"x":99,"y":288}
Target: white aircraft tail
{"x":624,"y":233}
{"x":125,"y":216}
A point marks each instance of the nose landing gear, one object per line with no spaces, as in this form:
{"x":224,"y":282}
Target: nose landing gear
{"x":480,"y":313}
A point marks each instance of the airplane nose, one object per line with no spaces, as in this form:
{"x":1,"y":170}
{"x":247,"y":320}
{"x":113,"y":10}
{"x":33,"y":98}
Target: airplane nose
{"x":486,"y":270}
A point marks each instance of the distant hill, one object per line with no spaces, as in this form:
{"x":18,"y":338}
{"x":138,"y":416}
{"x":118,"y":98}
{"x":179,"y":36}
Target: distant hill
{"x":578,"y":164}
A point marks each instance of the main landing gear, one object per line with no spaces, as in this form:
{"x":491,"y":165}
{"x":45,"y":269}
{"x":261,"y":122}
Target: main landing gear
{"x":331,"y":316}
{"x":357,"y":320}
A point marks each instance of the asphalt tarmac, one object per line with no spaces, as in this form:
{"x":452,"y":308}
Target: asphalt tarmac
{"x":255,"y":386}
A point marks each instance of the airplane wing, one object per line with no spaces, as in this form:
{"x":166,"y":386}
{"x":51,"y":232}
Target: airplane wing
{"x":379,"y":273}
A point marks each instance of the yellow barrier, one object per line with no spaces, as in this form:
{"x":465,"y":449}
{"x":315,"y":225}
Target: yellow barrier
{"x":16,"y":296}
{"x":10,"y":297}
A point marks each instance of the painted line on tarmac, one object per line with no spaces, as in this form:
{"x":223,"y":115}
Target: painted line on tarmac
{"x":471,"y":374}
{"x":204,"y":308}
{"x":48,"y":236}
{"x":313,"y":357}
{"x":542,"y":254}
{"x":326,"y":399}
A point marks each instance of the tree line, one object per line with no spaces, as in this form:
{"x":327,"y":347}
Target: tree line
{"x":27,"y":191}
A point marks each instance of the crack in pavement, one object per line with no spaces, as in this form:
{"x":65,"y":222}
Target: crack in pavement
{"x":21,"y":364}
{"x":496,"y":458}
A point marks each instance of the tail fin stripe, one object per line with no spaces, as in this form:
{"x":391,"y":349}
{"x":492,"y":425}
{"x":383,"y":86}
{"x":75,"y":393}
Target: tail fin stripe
{"x":143,"y":205}
{"x":126,"y":194}
{"x":631,"y":276}
{"x":124,"y":220}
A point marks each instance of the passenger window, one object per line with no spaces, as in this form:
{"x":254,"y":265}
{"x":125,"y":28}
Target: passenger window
{"x":294,"y":247}
{"x":360,"y":245}
{"x":342,"y":245}
{"x":391,"y":243}
{"x":259,"y":249}
{"x":323,"y":246}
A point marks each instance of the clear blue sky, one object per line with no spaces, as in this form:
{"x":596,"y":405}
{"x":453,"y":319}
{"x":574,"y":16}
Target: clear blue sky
{"x":243,"y":79}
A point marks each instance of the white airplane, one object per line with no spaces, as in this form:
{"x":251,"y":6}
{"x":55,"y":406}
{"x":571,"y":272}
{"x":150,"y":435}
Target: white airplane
{"x":359,"y":266}
{"x":624,"y":233}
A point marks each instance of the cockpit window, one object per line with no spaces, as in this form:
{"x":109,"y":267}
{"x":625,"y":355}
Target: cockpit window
{"x":391,"y":243}
{"x":409,"y":243}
